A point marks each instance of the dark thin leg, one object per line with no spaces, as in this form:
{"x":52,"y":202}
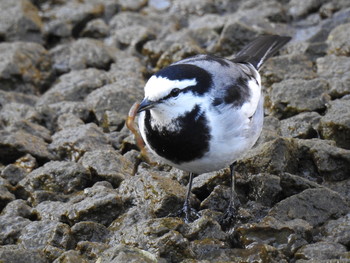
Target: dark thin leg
{"x":189,"y":213}
{"x":230,"y":214}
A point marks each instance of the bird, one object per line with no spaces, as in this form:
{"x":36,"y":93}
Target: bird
{"x":203,"y":113}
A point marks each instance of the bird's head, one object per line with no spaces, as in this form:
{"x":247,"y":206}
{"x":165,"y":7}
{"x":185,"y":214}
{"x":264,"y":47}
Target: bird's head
{"x":175,"y":89}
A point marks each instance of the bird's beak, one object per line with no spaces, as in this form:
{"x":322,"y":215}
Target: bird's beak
{"x":146,"y":105}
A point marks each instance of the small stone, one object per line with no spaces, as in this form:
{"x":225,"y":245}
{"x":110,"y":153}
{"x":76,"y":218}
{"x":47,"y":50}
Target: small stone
{"x":292,"y":96}
{"x":72,"y":143}
{"x":338,"y":40}
{"x":24,"y":67}
{"x":98,"y":204}
{"x":92,"y":250}
{"x":20,"y":21}
{"x":16,"y":208}
{"x":52,"y":210}
{"x":74,"y":86}
{"x":205,"y":227}
{"x":303,"y":126}
{"x":316,"y":206}
{"x":12,"y":113}
{"x":335,"y":124}
{"x":337,"y":231}
{"x":107,"y":165}
{"x":321,"y":251}
{"x":39,"y":234}
{"x":334,"y":69}
{"x":81,"y":54}
{"x":68,"y":120}
{"x":55,"y":176}
{"x":89,"y":231}
{"x":71,"y":256}
{"x":11,"y":227}
{"x":17,"y":254}
{"x":96,"y":28}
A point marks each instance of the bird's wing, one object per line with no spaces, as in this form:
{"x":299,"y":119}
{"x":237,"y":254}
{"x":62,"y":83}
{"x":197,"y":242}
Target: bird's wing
{"x":260,"y":49}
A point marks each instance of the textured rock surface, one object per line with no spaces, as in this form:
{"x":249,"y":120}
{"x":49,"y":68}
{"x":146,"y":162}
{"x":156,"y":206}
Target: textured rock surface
{"x":73,"y":187}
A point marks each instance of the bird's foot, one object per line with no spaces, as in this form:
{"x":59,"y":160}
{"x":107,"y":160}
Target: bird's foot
{"x":188,"y":213}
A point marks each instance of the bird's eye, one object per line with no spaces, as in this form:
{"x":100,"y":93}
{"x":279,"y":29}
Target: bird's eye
{"x":174,"y":92}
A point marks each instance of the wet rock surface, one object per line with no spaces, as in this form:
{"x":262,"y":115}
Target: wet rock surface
{"x":72,"y":185}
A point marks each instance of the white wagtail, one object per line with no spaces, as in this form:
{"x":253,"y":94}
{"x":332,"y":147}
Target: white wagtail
{"x":203,"y":113}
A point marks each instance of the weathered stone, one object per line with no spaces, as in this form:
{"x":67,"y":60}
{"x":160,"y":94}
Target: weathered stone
{"x":11,"y":227}
{"x":71,"y":256}
{"x":55,"y":176}
{"x":299,"y":8}
{"x":96,"y":28}
{"x":92,"y":250}
{"x":18,"y":208}
{"x":15,"y":112}
{"x":303,"y":126}
{"x":205,"y":227}
{"x":30,"y":128}
{"x":38,"y":234}
{"x":294,"y":66}
{"x":107,"y":165}
{"x":123,"y":253}
{"x":292,"y":96}
{"x":20,"y":20}
{"x":16,"y":144}
{"x":74,"y":86}
{"x":68,"y":120}
{"x":338,"y":40}
{"x":69,"y":19}
{"x":81,"y":54}
{"x":16,"y":254}
{"x":320,"y":251}
{"x":117,"y":97}
{"x":24,"y":67}
{"x":315,"y":206}
{"x":99,"y":204}
{"x":218,"y":199}
{"x":52,"y":210}
{"x":335,"y":70}
{"x":89,"y":231}
{"x":17,"y":97}
{"x":335,"y":124}
{"x":293,"y":184}
{"x":157,"y":193}
{"x":72,"y":143}
{"x":337,"y":231}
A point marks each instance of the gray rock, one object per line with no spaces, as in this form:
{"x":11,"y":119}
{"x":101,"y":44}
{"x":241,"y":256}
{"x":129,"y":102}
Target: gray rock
{"x":15,"y":112}
{"x":72,"y":143}
{"x":205,"y":228}
{"x":19,"y":208}
{"x":91,"y":250}
{"x":11,"y":227}
{"x":30,"y":128}
{"x":341,"y":187}
{"x":218,"y":199}
{"x":298,"y":8}
{"x":16,"y":97}
{"x":55,"y":176}
{"x":105,"y":165}
{"x":15,"y":254}
{"x":321,"y":251}
{"x":335,"y":70}
{"x":337,"y":231}
{"x":74,"y":86}
{"x":20,"y":20}
{"x":68,"y":120}
{"x":89,"y":231}
{"x":303,"y":126}
{"x":16,"y":144}
{"x":81,"y":54}
{"x":71,"y":256}
{"x":292,"y":96}
{"x":293,"y":184}
{"x":39,"y":234}
{"x":123,"y":253}
{"x":5,"y":196}
{"x":293,"y":66}
{"x":335,"y":124}
{"x":69,"y":19}
{"x":53,"y":112}
{"x":316,"y":206}
{"x":167,"y":242}
{"x":163,"y":195}
{"x":96,"y":28}
{"x":13,"y":173}
{"x":117,"y":97}
{"x":271,"y":130}
{"x":211,"y":21}
{"x":338,"y":40}
{"x":99,"y":204}
{"x":24,"y":67}
{"x":52,"y":210}
{"x":133,"y":5}
{"x":287,"y":235}
{"x":331,"y":162}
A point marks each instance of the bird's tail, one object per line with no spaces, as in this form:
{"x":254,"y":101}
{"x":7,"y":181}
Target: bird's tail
{"x":260,"y":49}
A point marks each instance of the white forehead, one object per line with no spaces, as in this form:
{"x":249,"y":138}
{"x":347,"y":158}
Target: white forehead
{"x":159,"y":87}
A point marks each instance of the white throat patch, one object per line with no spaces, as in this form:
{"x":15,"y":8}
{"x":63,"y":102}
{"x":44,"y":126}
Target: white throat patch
{"x":159,"y":87}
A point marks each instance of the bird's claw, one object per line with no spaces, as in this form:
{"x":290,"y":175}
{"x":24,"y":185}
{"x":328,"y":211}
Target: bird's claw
{"x":188,"y":214}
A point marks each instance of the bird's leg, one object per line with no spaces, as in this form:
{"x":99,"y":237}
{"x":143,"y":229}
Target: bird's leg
{"x":230,"y":214}
{"x":187,"y":211}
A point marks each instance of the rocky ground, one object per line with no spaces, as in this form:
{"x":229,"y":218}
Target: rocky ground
{"x":72,"y":187}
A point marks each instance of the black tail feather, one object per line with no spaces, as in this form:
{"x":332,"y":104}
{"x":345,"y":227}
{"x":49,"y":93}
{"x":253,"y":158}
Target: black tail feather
{"x":260,"y":49}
